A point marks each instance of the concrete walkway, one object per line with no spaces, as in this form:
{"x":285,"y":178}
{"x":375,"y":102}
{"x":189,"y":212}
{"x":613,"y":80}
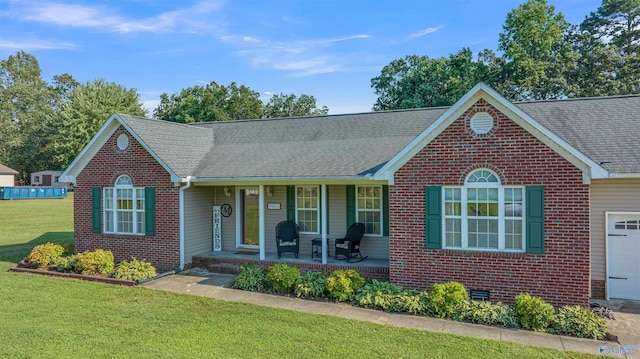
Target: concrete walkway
{"x":213,"y":285}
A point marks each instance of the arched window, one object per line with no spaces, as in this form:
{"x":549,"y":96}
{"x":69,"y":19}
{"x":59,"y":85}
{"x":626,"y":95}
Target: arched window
{"x":483,"y":214}
{"x":124,"y":207}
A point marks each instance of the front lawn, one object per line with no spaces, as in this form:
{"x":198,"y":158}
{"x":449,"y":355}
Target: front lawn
{"x":48,"y":317}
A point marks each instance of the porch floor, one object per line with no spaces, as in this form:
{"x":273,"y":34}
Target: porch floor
{"x":230,"y":262}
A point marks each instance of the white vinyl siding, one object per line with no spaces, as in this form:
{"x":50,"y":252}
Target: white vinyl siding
{"x":609,"y":195}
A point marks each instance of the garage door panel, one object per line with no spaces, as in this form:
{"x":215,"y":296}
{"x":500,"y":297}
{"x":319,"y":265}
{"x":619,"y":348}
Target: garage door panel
{"x":623,"y":256}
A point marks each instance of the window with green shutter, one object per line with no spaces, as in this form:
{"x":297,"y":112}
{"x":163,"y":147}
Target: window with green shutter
{"x":127,"y":209}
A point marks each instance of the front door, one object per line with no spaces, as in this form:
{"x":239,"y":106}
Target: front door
{"x":624,"y":250}
{"x":249,"y":226}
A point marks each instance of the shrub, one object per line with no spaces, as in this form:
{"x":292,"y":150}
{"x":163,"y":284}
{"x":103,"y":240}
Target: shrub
{"x":250,"y":278}
{"x":281,"y":278}
{"x":45,"y":254}
{"x":342,"y":284}
{"x":66,"y":264}
{"x":579,"y":322}
{"x":134,"y":269}
{"x":533,"y":312}
{"x":447,"y":299}
{"x":99,"y":261}
{"x":484,"y":312}
{"x":411,"y":301}
{"x":69,"y":249}
{"x":379,"y":295}
{"x":310,"y":285}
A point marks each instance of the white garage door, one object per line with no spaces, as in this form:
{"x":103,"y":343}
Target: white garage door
{"x":624,"y":256}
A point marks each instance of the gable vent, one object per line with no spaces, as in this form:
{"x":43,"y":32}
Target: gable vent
{"x":481,"y":123}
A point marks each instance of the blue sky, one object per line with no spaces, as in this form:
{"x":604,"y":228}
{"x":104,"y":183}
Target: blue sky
{"x":329,"y":49}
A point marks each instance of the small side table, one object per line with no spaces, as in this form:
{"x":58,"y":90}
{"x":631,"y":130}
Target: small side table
{"x":316,"y":247}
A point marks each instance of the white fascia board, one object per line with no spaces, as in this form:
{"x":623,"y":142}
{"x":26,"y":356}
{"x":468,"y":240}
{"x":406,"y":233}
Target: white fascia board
{"x":286,"y":180}
{"x":624,"y":175}
{"x":174,"y":176}
{"x":590,"y":168}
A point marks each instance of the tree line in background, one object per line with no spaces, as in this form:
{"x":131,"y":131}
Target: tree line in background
{"x":45,"y":126}
{"x":543,"y":57}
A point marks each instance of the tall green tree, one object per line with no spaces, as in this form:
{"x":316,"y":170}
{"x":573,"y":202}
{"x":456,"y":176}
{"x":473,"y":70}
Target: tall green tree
{"x":614,"y":30}
{"x":212,"y":102}
{"x":421,"y":81}
{"x":24,"y":111}
{"x":88,"y":106}
{"x":290,"y":105}
{"x":537,"y":53}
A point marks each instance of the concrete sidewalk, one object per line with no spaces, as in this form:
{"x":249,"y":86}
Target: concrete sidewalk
{"x":214,"y":285}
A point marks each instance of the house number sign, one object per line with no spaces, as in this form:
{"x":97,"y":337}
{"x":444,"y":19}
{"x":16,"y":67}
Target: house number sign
{"x":226,"y":210}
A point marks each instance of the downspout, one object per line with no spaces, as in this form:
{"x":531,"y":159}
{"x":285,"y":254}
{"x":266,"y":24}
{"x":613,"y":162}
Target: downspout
{"x":182,"y":189}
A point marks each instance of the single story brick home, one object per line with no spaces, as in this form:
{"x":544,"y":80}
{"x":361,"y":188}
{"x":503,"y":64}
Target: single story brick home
{"x":540,"y":197}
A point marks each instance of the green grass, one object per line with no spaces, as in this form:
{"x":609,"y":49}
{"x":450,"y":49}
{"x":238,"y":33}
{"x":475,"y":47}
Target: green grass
{"x":45,"y":317}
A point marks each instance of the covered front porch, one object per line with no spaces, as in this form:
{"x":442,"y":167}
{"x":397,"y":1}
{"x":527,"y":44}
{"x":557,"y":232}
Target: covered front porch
{"x":237,"y":222}
{"x":230,"y":262}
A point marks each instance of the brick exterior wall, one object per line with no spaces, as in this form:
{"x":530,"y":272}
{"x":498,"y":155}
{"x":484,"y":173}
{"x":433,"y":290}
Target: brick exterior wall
{"x":560,"y":275}
{"x":163,"y":249}
{"x":599,"y":289}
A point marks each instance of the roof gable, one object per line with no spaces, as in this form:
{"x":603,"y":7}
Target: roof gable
{"x":4,"y":170}
{"x":590,"y":168}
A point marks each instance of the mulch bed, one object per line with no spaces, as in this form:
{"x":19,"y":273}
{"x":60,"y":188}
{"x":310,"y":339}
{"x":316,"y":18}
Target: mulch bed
{"x":22,"y":267}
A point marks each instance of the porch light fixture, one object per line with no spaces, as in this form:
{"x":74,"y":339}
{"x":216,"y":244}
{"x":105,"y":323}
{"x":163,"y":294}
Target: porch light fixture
{"x":269,"y":193}
{"x":227,"y":191}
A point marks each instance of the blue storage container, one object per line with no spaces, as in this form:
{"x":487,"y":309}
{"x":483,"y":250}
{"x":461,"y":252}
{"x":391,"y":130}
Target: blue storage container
{"x":25,"y":192}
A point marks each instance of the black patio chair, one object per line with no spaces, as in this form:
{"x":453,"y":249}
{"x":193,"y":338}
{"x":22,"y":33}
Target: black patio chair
{"x":349,"y":246}
{"x":288,"y":238}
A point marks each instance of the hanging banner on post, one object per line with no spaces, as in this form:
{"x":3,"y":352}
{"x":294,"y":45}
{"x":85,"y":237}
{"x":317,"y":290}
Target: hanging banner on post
{"x":217,"y":228}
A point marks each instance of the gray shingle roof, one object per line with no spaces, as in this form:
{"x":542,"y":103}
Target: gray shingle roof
{"x":605,"y":129}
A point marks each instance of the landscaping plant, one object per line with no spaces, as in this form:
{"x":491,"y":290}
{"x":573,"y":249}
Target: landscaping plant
{"x":484,"y":312}
{"x":281,"y":278}
{"x":533,"y":312}
{"x":379,"y":295}
{"x":342,"y":284}
{"x":579,"y":322}
{"x":311,"y":285}
{"x":447,"y":299}
{"x":46,"y":254}
{"x":99,"y":261}
{"x":134,"y":269}
{"x":250,"y":278}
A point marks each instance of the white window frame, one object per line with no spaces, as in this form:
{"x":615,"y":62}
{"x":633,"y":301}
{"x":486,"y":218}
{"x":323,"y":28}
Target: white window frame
{"x":110,"y":205}
{"x":464,"y":217}
{"x":379,"y":210}
{"x":309,"y":209}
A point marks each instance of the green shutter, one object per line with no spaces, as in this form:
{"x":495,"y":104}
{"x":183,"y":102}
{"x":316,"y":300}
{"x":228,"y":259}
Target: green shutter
{"x":150,"y":211}
{"x":535,"y":219}
{"x":96,"y":209}
{"x":385,"y":210}
{"x":433,"y":216}
{"x":291,"y":203}
{"x":351,"y":205}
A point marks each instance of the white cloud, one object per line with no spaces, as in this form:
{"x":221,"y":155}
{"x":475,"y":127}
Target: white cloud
{"x":427,"y":31}
{"x":299,"y":58}
{"x":107,"y":19}
{"x":35,"y":44}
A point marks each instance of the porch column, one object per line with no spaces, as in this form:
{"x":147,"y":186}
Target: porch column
{"x":261,"y":238}
{"x":323,"y":216}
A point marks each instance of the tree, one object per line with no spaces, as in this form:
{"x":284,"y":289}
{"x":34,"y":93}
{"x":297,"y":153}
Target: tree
{"x":420,"y":81}
{"x":213,"y":102}
{"x":615,"y":33}
{"x":290,"y":105}
{"x":536,"y":50}
{"x":24,"y":111}
{"x":89,"y":105}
